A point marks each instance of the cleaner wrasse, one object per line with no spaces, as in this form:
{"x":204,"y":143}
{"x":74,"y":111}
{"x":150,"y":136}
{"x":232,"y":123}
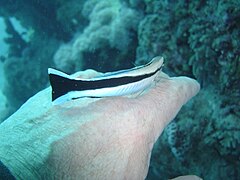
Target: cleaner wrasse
{"x":118,"y":83}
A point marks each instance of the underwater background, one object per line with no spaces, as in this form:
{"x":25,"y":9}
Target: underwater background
{"x":199,"y":39}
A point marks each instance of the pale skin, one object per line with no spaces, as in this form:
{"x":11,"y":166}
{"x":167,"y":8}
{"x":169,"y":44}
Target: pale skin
{"x":108,"y":138}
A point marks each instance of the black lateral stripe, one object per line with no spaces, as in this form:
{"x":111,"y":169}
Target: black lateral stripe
{"x":61,"y":85}
{"x":127,"y":70}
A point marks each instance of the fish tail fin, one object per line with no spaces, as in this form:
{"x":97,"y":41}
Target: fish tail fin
{"x":61,"y":85}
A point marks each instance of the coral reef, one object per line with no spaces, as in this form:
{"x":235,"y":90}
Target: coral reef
{"x":178,"y":141}
{"x":111,"y":33}
{"x":199,"y":39}
{"x":214,"y":35}
{"x":195,"y":38}
{"x":203,"y":132}
{"x":25,"y":65}
{"x":26,"y":75}
{"x":39,"y":15}
{"x":164,"y":30}
{"x":18,"y":44}
{"x":68,"y":14}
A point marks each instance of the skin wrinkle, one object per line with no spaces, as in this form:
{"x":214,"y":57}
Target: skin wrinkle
{"x":70,"y":153}
{"x":110,"y":143}
{"x":137,"y":137}
{"x":26,"y":164}
{"x":135,"y":152}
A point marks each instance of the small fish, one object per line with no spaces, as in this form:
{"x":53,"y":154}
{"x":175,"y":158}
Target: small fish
{"x":118,"y":83}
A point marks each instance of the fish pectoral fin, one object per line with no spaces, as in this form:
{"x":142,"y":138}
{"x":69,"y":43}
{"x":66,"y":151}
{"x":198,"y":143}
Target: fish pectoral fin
{"x":137,"y":94}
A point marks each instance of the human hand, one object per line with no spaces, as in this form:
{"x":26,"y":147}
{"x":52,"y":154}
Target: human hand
{"x":107,"y":138}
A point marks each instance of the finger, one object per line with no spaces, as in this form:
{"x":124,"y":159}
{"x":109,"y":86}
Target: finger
{"x":162,"y":102}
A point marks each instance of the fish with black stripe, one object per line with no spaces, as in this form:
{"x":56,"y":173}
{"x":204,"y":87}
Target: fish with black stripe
{"x":118,"y":83}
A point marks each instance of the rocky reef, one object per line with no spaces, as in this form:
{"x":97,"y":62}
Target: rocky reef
{"x":200,"y":39}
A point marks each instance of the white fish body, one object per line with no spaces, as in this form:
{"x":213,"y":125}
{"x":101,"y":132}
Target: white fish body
{"x":119,"y":83}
